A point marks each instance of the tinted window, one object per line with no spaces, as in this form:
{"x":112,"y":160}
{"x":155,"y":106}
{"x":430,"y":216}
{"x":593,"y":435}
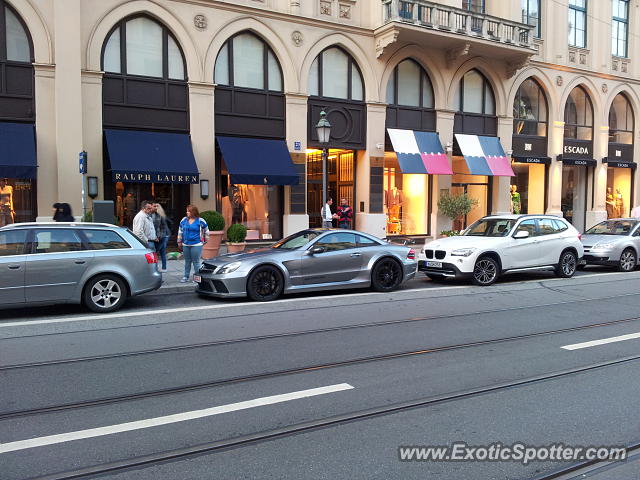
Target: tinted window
{"x":547,"y":226}
{"x":612,"y":227}
{"x":337,"y":241}
{"x":296,"y":240}
{"x":490,"y":228}
{"x":560,"y":225}
{"x":365,"y":242}
{"x":12,"y":242}
{"x":527,"y":226}
{"x":105,"y":240}
{"x":56,"y":241}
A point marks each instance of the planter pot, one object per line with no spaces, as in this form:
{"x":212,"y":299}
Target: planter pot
{"x":212,"y":247}
{"x":235,"y":247}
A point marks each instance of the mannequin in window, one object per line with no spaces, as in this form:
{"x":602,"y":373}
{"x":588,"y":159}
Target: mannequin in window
{"x":394,"y":200}
{"x":516,"y":205}
{"x":238,"y":198}
{"x":619,"y":203}
{"x":611,"y":204}
{"x":6,"y":203}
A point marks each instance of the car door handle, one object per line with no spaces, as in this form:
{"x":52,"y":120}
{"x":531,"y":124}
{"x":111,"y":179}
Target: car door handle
{"x":356,"y":254}
{"x":80,"y":262}
{"x":14,"y":267}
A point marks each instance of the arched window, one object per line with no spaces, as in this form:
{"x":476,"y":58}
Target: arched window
{"x":475,"y":95}
{"x":143,"y":47}
{"x":17,"y":42}
{"x":530,"y":110}
{"x":409,"y":86}
{"x":335,"y":74}
{"x":621,"y":120}
{"x":246,"y":61}
{"x":578,"y":115}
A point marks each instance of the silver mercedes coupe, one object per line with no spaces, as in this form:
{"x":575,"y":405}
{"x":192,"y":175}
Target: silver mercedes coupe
{"x":614,"y":242}
{"x":314,"y":259}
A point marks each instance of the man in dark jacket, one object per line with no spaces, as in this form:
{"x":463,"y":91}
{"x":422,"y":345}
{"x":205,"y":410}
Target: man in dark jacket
{"x":345,"y":214}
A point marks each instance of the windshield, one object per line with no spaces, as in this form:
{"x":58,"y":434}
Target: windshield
{"x":612,"y":227}
{"x":296,"y":240}
{"x":490,"y":227}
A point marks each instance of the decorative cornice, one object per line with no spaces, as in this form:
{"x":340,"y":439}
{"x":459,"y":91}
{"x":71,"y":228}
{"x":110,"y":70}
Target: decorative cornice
{"x":455,"y":53}
{"x":386,"y":38}
{"x":513,"y":66}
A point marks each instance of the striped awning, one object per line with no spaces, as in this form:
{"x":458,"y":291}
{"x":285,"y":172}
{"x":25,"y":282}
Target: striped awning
{"x":484,"y":155}
{"x":419,"y":152}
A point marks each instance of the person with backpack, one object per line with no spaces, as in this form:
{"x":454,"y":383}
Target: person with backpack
{"x":192,"y":235}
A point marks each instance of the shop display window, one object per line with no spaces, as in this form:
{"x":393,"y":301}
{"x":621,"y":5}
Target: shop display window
{"x":574,"y":195}
{"x":17,"y":201}
{"x":476,"y":186}
{"x":406,"y":199}
{"x":528,"y":188}
{"x":619,"y":192}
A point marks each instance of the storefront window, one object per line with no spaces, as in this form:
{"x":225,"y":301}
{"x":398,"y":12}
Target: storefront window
{"x":621,"y":121}
{"x":475,"y":95}
{"x":406,"y":199}
{"x":574,"y":195}
{"x":528,"y":188}
{"x":17,"y":200}
{"x":409,"y":86}
{"x":619,"y":192}
{"x":530,"y":110}
{"x":578,"y":115}
{"x":335,"y":74}
{"x":476,"y":186}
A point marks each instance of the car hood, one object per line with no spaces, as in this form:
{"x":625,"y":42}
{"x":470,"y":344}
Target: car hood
{"x":461,"y":241}
{"x":246,"y":255}
{"x":591,"y":240}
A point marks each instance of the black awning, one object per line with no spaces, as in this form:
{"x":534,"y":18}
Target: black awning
{"x":583,"y":162}
{"x":254,"y":161}
{"x":151,"y":157}
{"x":531,"y":159}
{"x":618,"y":163}
{"x":18,"y":150}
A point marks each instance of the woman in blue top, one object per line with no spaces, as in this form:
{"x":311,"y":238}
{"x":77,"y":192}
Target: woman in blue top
{"x":192,"y":235}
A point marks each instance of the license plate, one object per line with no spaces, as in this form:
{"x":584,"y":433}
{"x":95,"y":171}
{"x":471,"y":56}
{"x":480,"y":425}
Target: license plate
{"x":434,"y":264}
{"x":197,"y":278}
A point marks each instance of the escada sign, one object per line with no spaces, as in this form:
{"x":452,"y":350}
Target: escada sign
{"x":576,"y":150}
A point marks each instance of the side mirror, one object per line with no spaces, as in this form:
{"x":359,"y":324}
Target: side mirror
{"x":521,"y":234}
{"x":317,"y":250}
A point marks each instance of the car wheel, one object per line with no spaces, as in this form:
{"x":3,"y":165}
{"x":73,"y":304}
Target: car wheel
{"x":265,"y":284}
{"x":628,"y":261}
{"x":436,"y":278}
{"x":104,"y":293}
{"x":567,"y":265}
{"x":386,"y":275}
{"x":485,"y":271}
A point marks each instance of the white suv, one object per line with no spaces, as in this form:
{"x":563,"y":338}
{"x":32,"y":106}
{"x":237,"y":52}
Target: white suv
{"x":504,"y":243}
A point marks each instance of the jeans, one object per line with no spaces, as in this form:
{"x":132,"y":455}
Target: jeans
{"x":346,"y":225}
{"x":191,"y":257}
{"x":161,"y":248}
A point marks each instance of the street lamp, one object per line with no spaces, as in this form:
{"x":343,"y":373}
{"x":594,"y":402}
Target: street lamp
{"x":324,"y":132}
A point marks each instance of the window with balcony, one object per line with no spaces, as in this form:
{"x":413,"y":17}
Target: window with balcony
{"x":476,"y":6}
{"x":578,"y":23}
{"x":621,"y":120}
{"x":620,"y":27}
{"x":530,"y":110}
{"x":335,"y":74}
{"x":531,"y":15}
{"x":578,"y":115}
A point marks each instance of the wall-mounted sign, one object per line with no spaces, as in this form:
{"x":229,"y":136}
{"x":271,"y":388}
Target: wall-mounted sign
{"x":528,"y":146}
{"x":621,"y":152}
{"x":542,"y":160}
{"x":577,"y":149}
{"x":297,"y":146}
{"x":153,"y":177}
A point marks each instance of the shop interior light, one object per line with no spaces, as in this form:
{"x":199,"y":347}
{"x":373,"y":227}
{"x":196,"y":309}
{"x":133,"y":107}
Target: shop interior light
{"x":204,"y":189}
{"x":92,"y":187}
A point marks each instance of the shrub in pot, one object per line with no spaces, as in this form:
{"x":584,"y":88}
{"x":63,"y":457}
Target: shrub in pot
{"x":235,"y":238}
{"x":215,"y":222}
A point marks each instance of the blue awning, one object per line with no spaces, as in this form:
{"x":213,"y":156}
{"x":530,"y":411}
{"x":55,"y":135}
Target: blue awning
{"x":17,"y":150}
{"x":253,"y":161}
{"x":151,"y":157}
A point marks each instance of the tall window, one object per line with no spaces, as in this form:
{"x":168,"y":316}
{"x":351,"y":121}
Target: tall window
{"x":246,"y":61}
{"x":475,"y":95}
{"x":476,"y":6}
{"x":530,"y":110}
{"x":409,"y":86}
{"x":141,"y":46}
{"x":531,"y":15}
{"x":578,"y":23}
{"x":335,"y":74}
{"x":578,"y":115}
{"x":619,"y":27}
{"x":621,"y":120}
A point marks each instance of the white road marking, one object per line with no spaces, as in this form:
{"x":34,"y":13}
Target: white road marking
{"x":604,"y":341}
{"x":168,"y":419}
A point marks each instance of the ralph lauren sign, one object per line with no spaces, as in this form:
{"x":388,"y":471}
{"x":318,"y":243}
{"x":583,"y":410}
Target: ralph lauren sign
{"x":153,"y":177}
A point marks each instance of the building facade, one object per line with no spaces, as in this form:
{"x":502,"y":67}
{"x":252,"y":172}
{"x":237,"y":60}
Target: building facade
{"x":215,"y":103}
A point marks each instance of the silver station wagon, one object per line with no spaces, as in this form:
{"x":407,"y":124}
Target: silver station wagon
{"x":96,"y":264}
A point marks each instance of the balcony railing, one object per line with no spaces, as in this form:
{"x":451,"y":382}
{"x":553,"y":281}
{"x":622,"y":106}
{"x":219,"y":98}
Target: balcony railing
{"x":456,"y":20}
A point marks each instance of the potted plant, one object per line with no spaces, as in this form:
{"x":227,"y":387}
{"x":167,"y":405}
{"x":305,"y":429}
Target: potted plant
{"x":235,"y":238}
{"x":455,"y":207}
{"x":215,"y":222}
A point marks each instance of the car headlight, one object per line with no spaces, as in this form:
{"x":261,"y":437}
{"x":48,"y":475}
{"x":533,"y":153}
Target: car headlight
{"x":463,"y":252}
{"x":229,"y":267}
{"x":605,"y":245}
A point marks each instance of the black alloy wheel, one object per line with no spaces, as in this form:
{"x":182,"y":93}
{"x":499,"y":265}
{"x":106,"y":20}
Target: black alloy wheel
{"x":104,"y":293}
{"x":567,"y":265}
{"x":265,"y":284}
{"x":485,"y":271}
{"x":628,"y":260}
{"x":386,"y":275}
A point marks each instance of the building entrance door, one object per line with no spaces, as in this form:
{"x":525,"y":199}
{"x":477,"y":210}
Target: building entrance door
{"x":478,"y":191}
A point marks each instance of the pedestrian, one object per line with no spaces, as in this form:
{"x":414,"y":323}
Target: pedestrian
{"x":62,"y":213}
{"x":192,"y":235}
{"x":7,"y":214}
{"x":635,"y":213}
{"x":163,"y":230}
{"x":143,"y":225}
{"x":345,"y":214}
{"x":327,"y":216}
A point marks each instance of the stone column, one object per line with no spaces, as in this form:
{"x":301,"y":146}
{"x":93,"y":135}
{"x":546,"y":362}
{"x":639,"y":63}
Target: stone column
{"x":201,"y":119}
{"x":501,"y":198}
{"x":596,"y":210}
{"x":556,"y":142}
{"x":68,"y":101}
{"x":295,"y":216}
{"x":92,"y":127}
{"x":444,"y":119}
{"x":47,"y":185}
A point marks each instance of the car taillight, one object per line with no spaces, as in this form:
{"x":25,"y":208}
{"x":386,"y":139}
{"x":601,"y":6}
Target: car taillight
{"x":579,"y":236}
{"x":412,"y":254}
{"x":151,"y":257}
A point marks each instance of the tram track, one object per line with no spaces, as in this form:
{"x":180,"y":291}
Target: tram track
{"x":371,"y":413}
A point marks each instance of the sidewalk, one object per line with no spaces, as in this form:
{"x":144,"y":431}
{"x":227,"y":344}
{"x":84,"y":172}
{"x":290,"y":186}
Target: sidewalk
{"x":171,"y":278}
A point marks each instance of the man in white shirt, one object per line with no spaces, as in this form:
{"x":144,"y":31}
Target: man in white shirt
{"x":635,"y":213}
{"x":327,"y":216}
{"x":143,"y":225}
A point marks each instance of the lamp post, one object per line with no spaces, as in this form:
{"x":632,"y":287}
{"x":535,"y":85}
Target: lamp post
{"x":324,"y":132}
